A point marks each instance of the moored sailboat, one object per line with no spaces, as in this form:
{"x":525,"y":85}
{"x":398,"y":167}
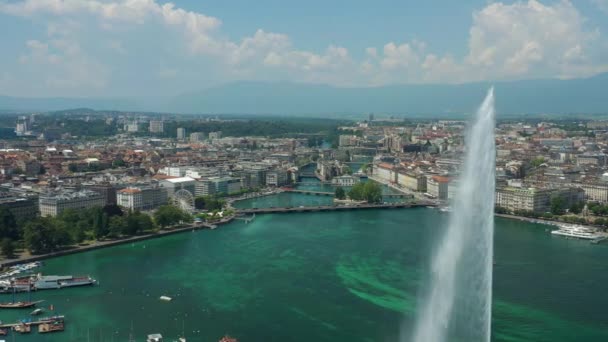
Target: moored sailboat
{"x":19,"y":305}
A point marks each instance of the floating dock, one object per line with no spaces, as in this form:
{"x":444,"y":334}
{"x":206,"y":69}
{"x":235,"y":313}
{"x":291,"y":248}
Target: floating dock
{"x":45,"y":320}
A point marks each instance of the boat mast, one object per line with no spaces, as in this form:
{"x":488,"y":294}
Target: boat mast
{"x":131,"y":339}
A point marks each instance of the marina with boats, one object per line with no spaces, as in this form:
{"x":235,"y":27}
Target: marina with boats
{"x":21,"y":278}
{"x":43,"y":282}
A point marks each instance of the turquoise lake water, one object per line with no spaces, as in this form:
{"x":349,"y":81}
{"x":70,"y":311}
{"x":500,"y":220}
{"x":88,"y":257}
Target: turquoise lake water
{"x":324,"y":276}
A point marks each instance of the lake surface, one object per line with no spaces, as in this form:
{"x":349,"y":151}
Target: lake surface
{"x":325,"y":276}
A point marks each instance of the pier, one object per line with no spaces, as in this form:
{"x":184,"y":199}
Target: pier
{"x":333,"y":208}
{"x":326,"y":193}
{"x":32,"y":323}
{"x":246,"y":219}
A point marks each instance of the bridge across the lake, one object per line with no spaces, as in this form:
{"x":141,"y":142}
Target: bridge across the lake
{"x":326,"y":193}
{"x":303,"y":209}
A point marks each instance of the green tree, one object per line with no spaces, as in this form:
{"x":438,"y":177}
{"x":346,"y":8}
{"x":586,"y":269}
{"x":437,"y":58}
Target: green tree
{"x":118,"y":163}
{"x":137,"y":222}
{"x":501,"y":210}
{"x":356,"y":193}
{"x":372,"y":192}
{"x":199,"y":202}
{"x":557,"y":205}
{"x":69,"y":216}
{"x":340,"y":193}
{"x":536,"y":162}
{"x":8,"y":224}
{"x":44,"y":235}
{"x":168,"y":215}
{"x":146,"y":222}
{"x":576,"y":208}
{"x":369,"y":191}
{"x":8,"y":248}
{"x":75,"y":223}
{"x":117,"y":226}
{"x":100,"y":223}
{"x":212,"y":203}
{"x":79,"y":231}
{"x":112,"y":210}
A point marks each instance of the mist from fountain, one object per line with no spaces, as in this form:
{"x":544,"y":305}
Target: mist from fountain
{"x":458,"y":305}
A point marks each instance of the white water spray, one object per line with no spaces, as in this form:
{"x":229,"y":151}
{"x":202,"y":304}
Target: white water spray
{"x":459,"y":302}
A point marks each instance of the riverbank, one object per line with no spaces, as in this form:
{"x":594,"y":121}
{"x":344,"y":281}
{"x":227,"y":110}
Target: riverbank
{"x":543,"y":221}
{"x":109,"y":243}
{"x":528,"y":219}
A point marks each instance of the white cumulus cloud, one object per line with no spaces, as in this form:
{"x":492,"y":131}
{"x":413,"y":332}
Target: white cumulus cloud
{"x":84,"y":39}
{"x":530,"y":38}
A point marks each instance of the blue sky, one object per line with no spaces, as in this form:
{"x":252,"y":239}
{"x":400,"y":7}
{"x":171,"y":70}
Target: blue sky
{"x":154,"y":48}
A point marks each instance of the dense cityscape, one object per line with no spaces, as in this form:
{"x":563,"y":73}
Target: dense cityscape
{"x":98,"y":185}
{"x":340,"y":171}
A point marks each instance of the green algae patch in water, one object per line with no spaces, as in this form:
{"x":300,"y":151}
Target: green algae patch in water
{"x":519,"y":323}
{"x":377,"y":282}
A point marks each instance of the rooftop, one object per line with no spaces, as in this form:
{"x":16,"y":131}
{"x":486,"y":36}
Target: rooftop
{"x":130,"y":191}
{"x":180,"y":180}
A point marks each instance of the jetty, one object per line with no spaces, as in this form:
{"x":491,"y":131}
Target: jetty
{"x":326,"y":193}
{"x":47,"y":320}
{"x":246,"y":219}
{"x":303,"y":209}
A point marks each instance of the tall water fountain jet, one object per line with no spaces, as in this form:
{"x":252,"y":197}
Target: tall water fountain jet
{"x":459,"y":302}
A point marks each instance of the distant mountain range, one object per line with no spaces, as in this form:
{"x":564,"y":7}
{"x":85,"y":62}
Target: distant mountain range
{"x":59,"y":103}
{"x":575,"y":96}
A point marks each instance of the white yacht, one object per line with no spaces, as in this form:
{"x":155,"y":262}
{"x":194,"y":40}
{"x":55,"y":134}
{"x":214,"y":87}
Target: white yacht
{"x":56,"y":282}
{"x":578,"y":232}
{"x":155,"y":338}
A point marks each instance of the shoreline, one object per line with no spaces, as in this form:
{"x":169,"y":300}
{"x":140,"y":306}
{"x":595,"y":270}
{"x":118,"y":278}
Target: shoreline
{"x":530,"y":220}
{"x":111,"y":243}
{"x":180,"y":229}
{"x":554,"y":223}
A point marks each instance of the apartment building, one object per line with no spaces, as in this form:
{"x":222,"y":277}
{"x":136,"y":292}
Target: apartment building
{"x":412,"y":181}
{"x":142,"y":197}
{"x":53,"y":204}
